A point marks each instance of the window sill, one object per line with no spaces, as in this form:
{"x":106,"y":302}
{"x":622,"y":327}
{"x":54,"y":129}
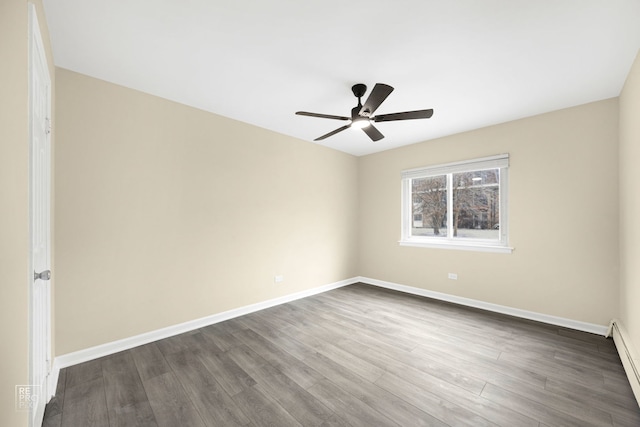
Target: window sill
{"x":478,"y":247}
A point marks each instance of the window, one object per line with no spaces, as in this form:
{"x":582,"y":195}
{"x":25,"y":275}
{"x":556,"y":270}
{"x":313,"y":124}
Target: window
{"x":457,"y":205}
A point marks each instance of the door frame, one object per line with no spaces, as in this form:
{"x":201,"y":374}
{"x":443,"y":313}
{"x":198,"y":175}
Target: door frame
{"x":37,"y":52}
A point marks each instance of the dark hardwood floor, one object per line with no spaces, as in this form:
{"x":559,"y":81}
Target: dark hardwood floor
{"x":355,"y":356}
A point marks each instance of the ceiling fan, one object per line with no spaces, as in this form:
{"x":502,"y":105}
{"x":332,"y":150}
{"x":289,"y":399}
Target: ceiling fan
{"x":362,"y":115}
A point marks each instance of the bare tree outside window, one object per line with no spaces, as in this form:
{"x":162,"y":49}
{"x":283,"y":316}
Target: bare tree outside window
{"x":430,"y":204}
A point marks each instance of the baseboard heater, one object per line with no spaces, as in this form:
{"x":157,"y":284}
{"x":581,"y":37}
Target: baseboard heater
{"x":630,"y":359}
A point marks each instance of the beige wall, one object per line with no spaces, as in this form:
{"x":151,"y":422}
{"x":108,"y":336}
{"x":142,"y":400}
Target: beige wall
{"x":14,"y":203}
{"x":187,"y":214}
{"x":563,"y":216}
{"x":630,"y":205}
{"x":14,"y":227}
{"x":166,"y":214}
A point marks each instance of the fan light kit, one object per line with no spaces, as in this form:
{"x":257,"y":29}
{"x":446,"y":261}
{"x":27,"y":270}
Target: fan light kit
{"x":360,"y":122}
{"x":362,"y":115}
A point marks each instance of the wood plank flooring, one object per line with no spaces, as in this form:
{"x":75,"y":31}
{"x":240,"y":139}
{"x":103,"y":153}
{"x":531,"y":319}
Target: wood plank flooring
{"x":355,"y":356}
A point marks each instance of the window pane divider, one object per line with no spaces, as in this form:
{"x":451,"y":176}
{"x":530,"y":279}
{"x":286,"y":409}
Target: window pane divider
{"x":449,"y":205}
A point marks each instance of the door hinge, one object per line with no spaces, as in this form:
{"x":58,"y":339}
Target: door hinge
{"x":47,"y":126}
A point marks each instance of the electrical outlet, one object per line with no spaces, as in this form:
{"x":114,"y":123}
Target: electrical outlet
{"x":453,"y":276}
{"x":278,"y":279}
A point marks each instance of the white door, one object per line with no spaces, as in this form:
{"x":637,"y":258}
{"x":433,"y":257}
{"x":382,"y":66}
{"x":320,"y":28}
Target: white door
{"x":40,"y":213}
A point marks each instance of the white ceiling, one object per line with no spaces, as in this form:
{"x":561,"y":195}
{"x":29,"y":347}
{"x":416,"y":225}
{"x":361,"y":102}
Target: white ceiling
{"x":476,"y":63}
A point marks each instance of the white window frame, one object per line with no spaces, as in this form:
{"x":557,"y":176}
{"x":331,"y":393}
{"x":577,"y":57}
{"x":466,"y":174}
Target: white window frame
{"x":501,"y":245}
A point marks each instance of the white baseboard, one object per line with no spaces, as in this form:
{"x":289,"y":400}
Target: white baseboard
{"x":516,"y":312}
{"x":628,"y":355}
{"x":106,"y":349}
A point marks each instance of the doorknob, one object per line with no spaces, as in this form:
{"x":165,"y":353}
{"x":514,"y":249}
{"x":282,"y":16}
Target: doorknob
{"x":43,"y":275}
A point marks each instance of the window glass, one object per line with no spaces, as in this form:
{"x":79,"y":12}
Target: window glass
{"x":430,"y":205}
{"x":476,"y":204}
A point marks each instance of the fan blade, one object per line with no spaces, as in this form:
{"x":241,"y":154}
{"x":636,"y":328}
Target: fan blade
{"x":376,"y":97}
{"x":373,"y":133}
{"x":322,"y":116}
{"x":333,"y":132}
{"x":407,"y":115}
